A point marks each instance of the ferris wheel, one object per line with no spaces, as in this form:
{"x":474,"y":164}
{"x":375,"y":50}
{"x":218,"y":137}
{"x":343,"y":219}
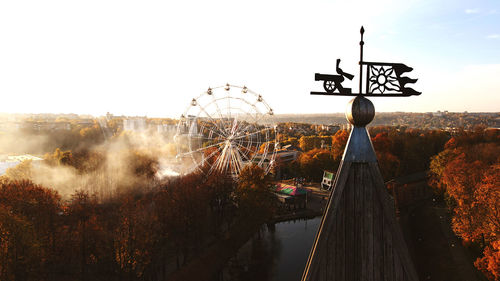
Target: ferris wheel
{"x":224,"y":129}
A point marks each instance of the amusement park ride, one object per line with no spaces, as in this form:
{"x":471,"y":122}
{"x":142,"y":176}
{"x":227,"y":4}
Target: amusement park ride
{"x":224,"y":129}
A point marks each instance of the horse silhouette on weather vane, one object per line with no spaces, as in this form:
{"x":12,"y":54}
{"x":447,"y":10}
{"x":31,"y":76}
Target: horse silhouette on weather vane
{"x":383,"y":79}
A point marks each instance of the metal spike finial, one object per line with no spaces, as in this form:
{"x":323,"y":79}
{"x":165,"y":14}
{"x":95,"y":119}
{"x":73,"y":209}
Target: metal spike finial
{"x":361,"y":43}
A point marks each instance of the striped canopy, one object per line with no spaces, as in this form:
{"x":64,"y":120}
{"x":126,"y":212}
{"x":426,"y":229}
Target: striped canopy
{"x":289,"y":189}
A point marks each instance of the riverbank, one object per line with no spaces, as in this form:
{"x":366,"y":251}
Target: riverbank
{"x":210,"y":263}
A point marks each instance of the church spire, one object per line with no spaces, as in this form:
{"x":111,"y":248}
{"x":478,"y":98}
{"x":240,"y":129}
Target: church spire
{"x":359,"y":237}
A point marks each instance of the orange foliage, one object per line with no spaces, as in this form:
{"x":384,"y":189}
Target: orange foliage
{"x":313,"y":162}
{"x":489,"y":264}
{"x":381,"y":142}
{"x":468,"y":170}
{"x":27,"y":226}
{"x":388,"y":164}
{"x":461,"y":178}
{"x":339,"y":141}
{"x":255,"y":201}
{"x":135,"y":236}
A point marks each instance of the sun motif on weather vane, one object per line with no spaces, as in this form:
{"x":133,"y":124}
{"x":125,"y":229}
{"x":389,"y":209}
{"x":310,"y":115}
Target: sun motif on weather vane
{"x":383,"y":79}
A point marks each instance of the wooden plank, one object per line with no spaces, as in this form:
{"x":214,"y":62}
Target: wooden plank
{"x":333,"y":241}
{"x":349,"y":224}
{"x":322,"y":269}
{"x":340,"y":241}
{"x":369,"y":268}
{"x":359,"y":183}
{"x":327,"y":220}
{"x":329,"y":250}
{"x":398,"y":268}
{"x":364,"y":231}
{"x":388,"y":251}
{"x":378,"y":247}
{"x":332,"y":248}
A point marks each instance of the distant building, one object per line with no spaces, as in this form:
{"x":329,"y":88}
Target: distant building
{"x":328,"y":128}
{"x":166,"y":128}
{"x":137,"y":124}
{"x":48,"y":126}
{"x":61,"y":126}
{"x":86,"y":121}
{"x":288,"y":153}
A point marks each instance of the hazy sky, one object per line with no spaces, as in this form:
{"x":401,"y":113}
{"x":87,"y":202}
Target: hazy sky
{"x":152,"y":57}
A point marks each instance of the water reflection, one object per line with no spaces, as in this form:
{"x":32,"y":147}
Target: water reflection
{"x":276,"y":253}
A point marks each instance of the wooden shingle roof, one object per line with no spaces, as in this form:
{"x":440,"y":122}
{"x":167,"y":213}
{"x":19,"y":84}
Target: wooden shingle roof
{"x":359,"y":237}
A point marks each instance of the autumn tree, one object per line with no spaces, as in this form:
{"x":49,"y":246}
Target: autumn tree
{"x":489,"y":264}
{"x":467,"y":174}
{"x":87,"y":160}
{"x":142,"y":164}
{"x":19,"y":259}
{"x":220,"y":193}
{"x":313,"y":162}
{"x":85,"y":234}
{"x":92,"y":135}
{"x":135,"y":237}
{"x":339,"y":141}
{"x":29,"y":221}
{"x":389,"y":163}
{"x":487,"y":198}
{"x":437,"y":166}
{"x":307,"y":143}
{"x":285,"y":140}
{"x":182,"y":209}
{"x":254,"y":198}
{"x":461,"y":178}
{"x":59,"y":157}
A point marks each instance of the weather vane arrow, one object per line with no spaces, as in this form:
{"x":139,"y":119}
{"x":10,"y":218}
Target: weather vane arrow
{"x":383,"y":79}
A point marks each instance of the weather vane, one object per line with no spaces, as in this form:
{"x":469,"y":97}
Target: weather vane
{"x":383,"y":79}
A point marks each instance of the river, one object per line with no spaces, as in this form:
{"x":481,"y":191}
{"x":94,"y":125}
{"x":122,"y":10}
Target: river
{"x":276,"y":253}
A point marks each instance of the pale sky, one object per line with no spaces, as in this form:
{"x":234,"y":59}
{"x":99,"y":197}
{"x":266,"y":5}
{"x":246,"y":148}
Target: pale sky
{"x":152,"y":57}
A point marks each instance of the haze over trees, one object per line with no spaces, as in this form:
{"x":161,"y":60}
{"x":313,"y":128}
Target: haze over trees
{"x":133,"y":236}
{"x":96,"y":208}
